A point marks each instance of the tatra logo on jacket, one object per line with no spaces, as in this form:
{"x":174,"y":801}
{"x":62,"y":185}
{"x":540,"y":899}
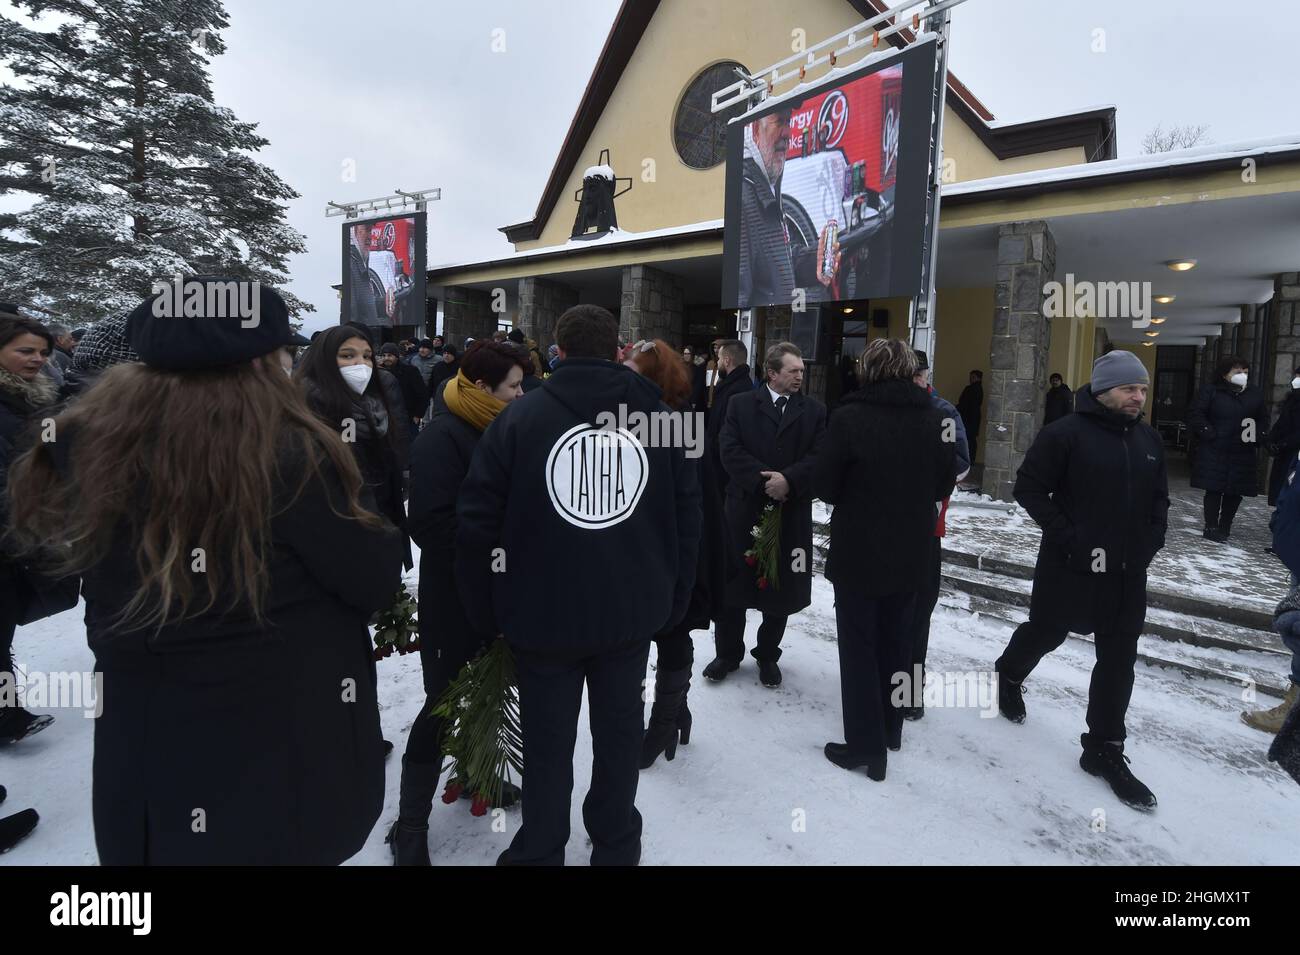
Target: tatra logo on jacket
{"x":595,"y":476}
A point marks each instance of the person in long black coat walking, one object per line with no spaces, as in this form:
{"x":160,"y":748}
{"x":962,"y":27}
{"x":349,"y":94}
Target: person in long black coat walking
{"x":25,"y":346}
{"x":1283,"y":441}
{"x":1229,"y":421}
{"x":489,"y":378}
{"x":768,"y":444}
{"x":886,"y":468}
{"x":1095,"y":482}
{"x":231,"y":560}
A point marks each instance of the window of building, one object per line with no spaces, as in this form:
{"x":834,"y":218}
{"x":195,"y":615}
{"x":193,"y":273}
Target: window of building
{"x":700,"y":136}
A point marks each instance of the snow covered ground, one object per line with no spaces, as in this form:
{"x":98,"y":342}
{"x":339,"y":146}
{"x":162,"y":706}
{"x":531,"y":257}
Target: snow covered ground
{"x":754,"y":788}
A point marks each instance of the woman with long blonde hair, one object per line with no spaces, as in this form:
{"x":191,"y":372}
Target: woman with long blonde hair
{"x":230,"y":564}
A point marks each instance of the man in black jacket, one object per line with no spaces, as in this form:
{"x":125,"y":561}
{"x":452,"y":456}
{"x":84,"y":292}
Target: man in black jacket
{"x":768,"y":443}
{"x":1060,"y":400}
{"x":1095,"y":483}
{"x":970,"y":406}
{"x":415,"y":396}
{"x":563,"y":508}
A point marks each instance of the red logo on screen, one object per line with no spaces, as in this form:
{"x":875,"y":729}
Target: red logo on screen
{"x":889,"y":137}
{"x":386,"y":236}
{"x":832,"y":120}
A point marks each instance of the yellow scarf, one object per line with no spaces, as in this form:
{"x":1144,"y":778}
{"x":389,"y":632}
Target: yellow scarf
{"x":470,"y":404}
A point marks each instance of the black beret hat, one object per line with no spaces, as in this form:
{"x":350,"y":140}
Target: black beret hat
{"x":516,"y":336}
{"x":209,"y":321}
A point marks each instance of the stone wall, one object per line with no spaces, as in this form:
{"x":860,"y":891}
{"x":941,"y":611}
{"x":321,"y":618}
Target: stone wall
{"x":467,"y":313}
{"x":652,"y":307}
{"x":1286,"y":344}
{"x":541,"y":303}
{"x":1017,"y":381}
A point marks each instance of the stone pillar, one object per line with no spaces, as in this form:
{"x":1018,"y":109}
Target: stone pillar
{"x":1017,"y":383}
{"x":467,"y":313}
{"x":653,"y":305}
{"x":1285,"y":315}
{"x":541,"y":303}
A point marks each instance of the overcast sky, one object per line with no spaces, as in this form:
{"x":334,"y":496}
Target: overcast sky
{"x":413,"y":92}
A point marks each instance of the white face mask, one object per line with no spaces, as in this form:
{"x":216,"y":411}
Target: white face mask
{"x":356,"y":376}
{"x":1239,"y":379}
{"x":1295,"y":382}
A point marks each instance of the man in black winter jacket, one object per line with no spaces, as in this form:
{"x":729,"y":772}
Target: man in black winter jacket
{"x":1060,"y":400}
{"x":415,"y":394}
{"x":1095,"y":483}
{"x":564,"y":507}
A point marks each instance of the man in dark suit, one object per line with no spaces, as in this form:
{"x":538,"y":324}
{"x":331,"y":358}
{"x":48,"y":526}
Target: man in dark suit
{"x":767,"y":443}
{"x":970,"y":406}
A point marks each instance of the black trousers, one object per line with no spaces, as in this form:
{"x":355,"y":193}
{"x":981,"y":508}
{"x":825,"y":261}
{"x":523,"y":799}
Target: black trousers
{"x":440,"y":661}
{"x":1220,"y":509}
{"x":874,"y":637}
{"x":729,"y":635}
{"x":1111,"y":687}
{"x":926,"y":600}
{"x":676,"y":650}
{"x":550,"y":700}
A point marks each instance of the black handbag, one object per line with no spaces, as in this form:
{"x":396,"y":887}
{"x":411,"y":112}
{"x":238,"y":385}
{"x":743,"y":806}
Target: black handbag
{"x":41,"y":596}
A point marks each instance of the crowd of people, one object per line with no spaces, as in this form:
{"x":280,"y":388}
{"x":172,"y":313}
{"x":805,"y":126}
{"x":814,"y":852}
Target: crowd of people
{"x":234,"y":504}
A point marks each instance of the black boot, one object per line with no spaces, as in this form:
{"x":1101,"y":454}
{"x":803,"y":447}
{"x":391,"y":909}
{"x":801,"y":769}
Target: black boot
{"x":917,"y":711}
{"x":1011,"y":700}
{"x":13,"y":829}
{"x":409,"y":836}
{"x":670,"y":719}
{"x":17,"y":724}
{"x":1108,"y":761}
{"x":840,"y":755}
{"x":717,"y":670}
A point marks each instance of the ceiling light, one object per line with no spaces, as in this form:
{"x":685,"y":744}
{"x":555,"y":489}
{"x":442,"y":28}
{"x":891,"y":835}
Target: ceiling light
{"x":848,"y":310}
{"x":1165,"y":299}
{"x":1150,"y":334}
{"x":1147,"y":344}
{"x":1159,"y":320}
{"x":1182,"y":265}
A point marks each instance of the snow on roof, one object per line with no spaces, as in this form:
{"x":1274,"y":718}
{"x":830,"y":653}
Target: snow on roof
{"x":1002,"y":123}
{"x":1091,"y":170}
{"x":613,"y":237}
{"x":604,"y":172}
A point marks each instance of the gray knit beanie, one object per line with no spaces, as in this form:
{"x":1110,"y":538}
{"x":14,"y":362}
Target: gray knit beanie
{"x":1118,"y":368}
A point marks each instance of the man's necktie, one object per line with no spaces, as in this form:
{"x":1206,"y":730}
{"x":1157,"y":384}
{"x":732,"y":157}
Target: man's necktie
{"x":781,"y":403}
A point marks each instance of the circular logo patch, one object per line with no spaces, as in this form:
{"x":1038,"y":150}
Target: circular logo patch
{"x":595,"y":476}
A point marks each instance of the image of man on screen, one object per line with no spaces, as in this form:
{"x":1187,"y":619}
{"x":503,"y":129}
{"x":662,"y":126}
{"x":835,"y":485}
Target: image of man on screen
{"x":361,"y":297}
{"x":770,"y":270}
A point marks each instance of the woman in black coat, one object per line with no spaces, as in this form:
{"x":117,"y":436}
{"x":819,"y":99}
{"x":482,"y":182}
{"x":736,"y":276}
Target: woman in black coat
{"x":490,"y":377}
{"x":886,"y":469}
{"x":670,"y":716}
{"x":1283,"y":441}
{"x":230,"y":566}
{"x":1230,"y":421}
{"x":342,"y":386}
{"x":25,"y":345}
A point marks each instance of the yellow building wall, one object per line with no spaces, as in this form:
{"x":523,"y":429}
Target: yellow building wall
{"x":682,"y":39}
{"x":1064,"y":349}
{"x":963,"y":329}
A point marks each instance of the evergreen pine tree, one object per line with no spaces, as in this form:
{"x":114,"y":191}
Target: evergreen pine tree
{"x":137,"y":174}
